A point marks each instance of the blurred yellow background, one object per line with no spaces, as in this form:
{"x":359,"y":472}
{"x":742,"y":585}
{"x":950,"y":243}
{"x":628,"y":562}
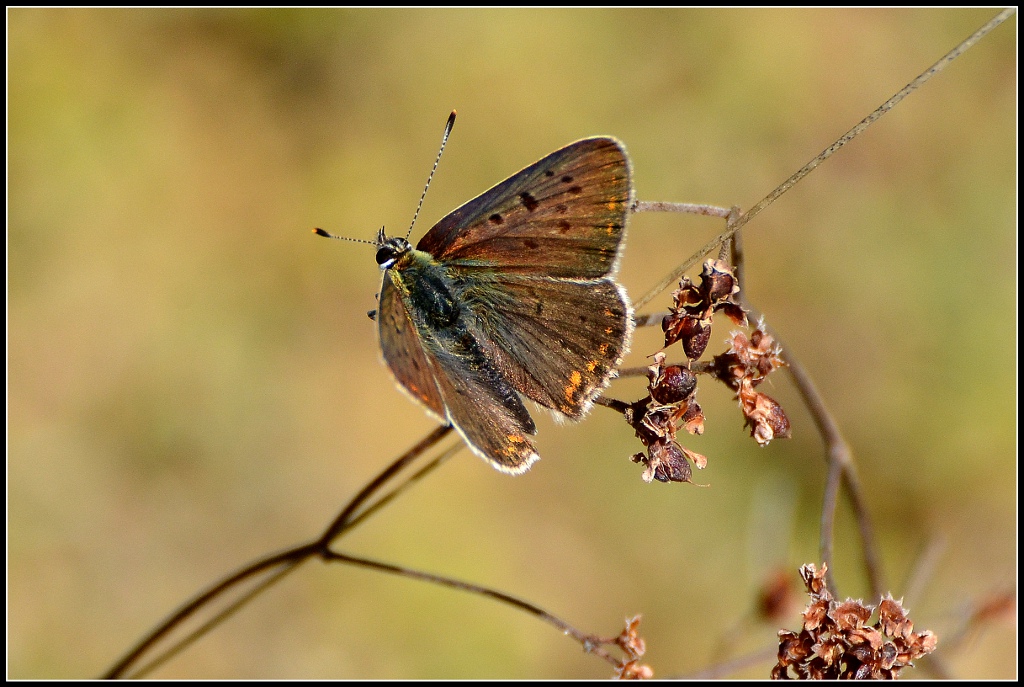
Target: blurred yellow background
{"x":193,"y":381}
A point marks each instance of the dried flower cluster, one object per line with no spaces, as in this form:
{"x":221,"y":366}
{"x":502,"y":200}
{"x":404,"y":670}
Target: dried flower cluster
{"x":671,"y":400}
{"x":837,"y":643}
{"x":742,"y":368}
{"x":689,"y":319}
{"x":632,"y":644}
{"x":672,"y":389}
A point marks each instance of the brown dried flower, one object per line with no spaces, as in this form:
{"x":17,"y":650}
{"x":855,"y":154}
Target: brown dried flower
{"x":837,"y":643}
{"x":655,"y":418}
{"x":745,"y":365}
{"x":689,"y":319}
{"x":633,"y":645}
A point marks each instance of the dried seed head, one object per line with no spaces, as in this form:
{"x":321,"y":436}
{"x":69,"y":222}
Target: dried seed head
{"x":836,"y":642}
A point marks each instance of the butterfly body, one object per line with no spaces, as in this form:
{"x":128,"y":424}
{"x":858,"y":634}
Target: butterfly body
{"x":512,"y":294}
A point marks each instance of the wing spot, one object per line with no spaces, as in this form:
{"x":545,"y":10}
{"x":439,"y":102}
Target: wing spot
{"x":564,"y":226}
{"x":592,"y":365}
{"x":496,"y":219}
{"x":531,"y":244}
{"x":529,"y":202}
{"x":603,"y":349}
{"x":567,"y":179}
{"x":608,"y":330}
{"x":548,"y":173}
{"x":576,"y":190}
{"x":575,"y":379}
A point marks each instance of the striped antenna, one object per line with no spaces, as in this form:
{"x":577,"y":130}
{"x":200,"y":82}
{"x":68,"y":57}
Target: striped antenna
{"x":444,"y":140}
{"x":327,"y":235}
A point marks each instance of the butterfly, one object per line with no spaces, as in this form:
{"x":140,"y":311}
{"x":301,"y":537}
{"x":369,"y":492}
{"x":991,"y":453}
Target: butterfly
{"x":513,"y":295}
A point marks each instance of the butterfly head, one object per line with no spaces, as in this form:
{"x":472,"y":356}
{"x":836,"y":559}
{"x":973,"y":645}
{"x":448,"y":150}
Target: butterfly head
{"x":390,"y":249}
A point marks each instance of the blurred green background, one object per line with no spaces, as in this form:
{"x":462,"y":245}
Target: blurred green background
{"x":193,"y":381}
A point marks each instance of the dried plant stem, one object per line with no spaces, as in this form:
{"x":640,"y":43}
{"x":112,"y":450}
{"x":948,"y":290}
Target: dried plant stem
{"x":342,"y":521}
{"x":839,"y":456}
{"x":941,"y":64}
{"x":841,"y":469}
{"x":120,"y":668}
{"x":688,"y":208}
{"x":288,"y":559}
{"x":272,"y":578}
{"x":591,"y":643}
{"x":279,"y":565}
{"x":925,"y":564}
{"x":674,"y":275}
{"x":840,"y":460}
{"x":796,"y":177}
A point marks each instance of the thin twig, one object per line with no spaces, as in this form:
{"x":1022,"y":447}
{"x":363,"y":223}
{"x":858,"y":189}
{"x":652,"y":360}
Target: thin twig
{"x":341,"y":522}
{"x":345,"y":521}
{"x":924,"y":567}
{"x":412,"y":479}
{"x":191,"y":638}
{"x":696,"y":368}
{"x":840,"y":457}
{"x":649,"y":320}
{"x":688,"y":208}
{"x":591,"y":643}
{"x":298,"y":553}
{"x":797,"y":176}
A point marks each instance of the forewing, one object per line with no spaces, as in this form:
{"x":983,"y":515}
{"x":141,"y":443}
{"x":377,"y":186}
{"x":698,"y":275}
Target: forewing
{"x":563,"y":216}
{"x":402,"y":351}
{"x":481,"y":404}
{"x":559,"y":341}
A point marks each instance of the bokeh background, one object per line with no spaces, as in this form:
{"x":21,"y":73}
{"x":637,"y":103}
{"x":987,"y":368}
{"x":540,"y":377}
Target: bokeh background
{"x":193,"y":381}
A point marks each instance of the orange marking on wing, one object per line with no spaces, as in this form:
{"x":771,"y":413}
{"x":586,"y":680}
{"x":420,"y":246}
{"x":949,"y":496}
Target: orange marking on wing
{"x":575,"y":379}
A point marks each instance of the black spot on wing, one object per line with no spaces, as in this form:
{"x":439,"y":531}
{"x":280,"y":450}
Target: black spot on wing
{"x":529,"y":202}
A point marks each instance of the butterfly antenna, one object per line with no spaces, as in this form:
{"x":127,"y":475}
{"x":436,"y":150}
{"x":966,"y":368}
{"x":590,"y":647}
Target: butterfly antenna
{"x":444,"y":140}
{"x":327,"y":235}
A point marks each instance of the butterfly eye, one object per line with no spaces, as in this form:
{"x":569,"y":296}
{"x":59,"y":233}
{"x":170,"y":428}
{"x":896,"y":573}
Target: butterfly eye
{"x":391,"y":250}
{"x":386,"y":256}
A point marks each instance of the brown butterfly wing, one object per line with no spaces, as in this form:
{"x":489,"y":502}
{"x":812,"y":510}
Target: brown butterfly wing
{"x":481,"y":403}
{"x":563,"y":216}
{"x":449,"y":372}
{"x":400,"y":346}
{"x":559,"y":341}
